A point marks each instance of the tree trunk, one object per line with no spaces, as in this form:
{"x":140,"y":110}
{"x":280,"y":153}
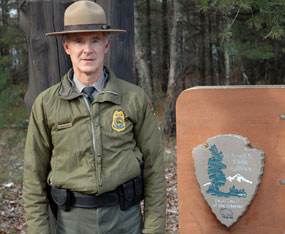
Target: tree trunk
{"x":144,"y":78}
{"x":227,"y":65}
{"x":165,"y":46}
{"x":220,"y":60}
{"x":227,"y":56}
{"x":4,"y":49}
{"x":47,"y":59}
{"x":203,"y":71}
{"x":148,"y":38}
{"x":176,"y":68}
{"x":245,"y":80}
{"x":210,"y":51}
{"x":120,"y":15}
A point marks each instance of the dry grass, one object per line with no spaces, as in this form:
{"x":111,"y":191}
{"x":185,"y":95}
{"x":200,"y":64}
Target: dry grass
{"x":11,"y":168}
{"x":11,"y":154}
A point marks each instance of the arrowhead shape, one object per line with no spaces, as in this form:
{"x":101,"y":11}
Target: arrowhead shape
{"x":228,"y":172}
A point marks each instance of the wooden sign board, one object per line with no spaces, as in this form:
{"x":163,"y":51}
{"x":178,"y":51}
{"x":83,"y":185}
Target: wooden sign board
{"x":255,"y":112}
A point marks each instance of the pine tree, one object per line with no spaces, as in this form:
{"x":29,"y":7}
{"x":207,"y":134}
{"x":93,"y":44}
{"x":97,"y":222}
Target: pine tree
{"x":250,"y":34}
{"x":215,"y":167}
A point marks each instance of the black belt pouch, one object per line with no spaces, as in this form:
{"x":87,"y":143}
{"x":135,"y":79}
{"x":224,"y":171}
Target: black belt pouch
{"x":138,"y":187}
{"x":126,"y":192}
{"x":62,"y":197}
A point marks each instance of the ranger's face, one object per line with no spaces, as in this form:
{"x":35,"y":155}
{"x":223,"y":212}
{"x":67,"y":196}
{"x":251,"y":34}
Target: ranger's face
{"x":87,"y":51}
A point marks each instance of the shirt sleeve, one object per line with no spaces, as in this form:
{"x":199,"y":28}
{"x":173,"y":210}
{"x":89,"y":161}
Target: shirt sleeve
{"x":36,"y":167}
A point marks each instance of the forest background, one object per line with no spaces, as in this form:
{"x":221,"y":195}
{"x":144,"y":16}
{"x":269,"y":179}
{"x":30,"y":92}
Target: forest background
{"x":183,"y":44}
{"x":179,"y":44}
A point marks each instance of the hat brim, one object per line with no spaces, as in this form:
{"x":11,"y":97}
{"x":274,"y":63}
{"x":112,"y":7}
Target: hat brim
{"x":110,"y":31}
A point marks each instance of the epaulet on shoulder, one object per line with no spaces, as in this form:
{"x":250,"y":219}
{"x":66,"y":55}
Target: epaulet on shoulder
{"x":130,"y":86}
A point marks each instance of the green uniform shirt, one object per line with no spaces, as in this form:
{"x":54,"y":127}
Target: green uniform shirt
{"x":92,"y":148}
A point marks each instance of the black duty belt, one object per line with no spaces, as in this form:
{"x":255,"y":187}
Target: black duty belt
{"x":93,"y":201}
{"x":127,"y":194}
{"x":66,"y":199}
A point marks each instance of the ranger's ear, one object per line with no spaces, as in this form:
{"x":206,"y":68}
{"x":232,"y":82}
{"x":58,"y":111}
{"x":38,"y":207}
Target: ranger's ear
{"x":65,"y":46}
{"x":107,"y":46}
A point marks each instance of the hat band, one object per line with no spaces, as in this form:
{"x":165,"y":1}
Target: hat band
{"x":86,"y":27}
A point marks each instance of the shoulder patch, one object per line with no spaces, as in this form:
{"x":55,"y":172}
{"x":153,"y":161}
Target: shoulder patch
{"x":118,"y":123}
{"x":151,"y":107}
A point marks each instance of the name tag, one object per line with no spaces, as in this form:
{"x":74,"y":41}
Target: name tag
{"x":63,"y":126}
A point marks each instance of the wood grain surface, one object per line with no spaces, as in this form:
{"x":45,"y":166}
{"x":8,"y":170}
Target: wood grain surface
{"x":250,"y":111}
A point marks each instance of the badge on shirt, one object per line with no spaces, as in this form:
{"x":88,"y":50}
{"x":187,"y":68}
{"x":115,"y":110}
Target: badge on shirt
{"x":118,"y":121}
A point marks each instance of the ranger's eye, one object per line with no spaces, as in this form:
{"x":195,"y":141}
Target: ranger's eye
{"x":77,"y":40}
{"x":95,"y":40}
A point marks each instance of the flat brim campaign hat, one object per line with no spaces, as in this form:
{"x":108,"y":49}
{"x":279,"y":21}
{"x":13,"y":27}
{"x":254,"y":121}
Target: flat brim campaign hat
{"x":85,"y":16}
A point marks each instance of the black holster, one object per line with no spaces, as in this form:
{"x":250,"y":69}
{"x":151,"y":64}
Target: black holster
{"x":131,"y":192}
{"x":52,"y":204}
{"x":62,"y":197}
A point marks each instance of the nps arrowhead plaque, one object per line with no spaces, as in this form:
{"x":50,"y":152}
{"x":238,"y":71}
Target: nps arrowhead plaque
{"x":228,"y":172}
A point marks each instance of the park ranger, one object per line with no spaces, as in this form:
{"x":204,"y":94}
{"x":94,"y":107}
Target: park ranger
{"x":93,"y":145}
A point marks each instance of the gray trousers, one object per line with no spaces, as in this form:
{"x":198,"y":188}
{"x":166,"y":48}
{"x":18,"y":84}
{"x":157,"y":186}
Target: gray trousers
{"x":105,"y":220}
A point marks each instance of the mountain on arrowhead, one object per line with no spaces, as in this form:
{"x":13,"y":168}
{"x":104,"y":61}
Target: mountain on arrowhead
{"x":239,"y":178}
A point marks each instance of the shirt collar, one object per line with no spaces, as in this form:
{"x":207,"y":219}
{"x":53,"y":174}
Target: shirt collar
{"x":98,"y":85}
{"x":111,"y":88}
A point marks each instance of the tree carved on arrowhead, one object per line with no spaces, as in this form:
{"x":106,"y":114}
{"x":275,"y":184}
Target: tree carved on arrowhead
{"x":217,"y":176}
